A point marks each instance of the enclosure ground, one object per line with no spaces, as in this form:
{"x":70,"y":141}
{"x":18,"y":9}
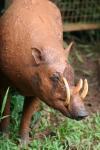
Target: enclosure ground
{"x":85,"y":61}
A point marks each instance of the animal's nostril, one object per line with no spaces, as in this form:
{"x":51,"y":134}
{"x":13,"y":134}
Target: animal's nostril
{"x":81,"y":117}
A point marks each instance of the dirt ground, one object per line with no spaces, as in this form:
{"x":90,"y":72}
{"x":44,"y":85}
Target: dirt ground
{"x":86,"y":66}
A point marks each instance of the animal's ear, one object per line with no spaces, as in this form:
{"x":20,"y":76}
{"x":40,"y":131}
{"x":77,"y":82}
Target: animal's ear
{"x":37,"y":56}
{"x":69,"y":48}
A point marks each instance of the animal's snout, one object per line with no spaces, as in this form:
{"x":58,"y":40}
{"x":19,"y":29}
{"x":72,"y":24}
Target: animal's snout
{"x":80,"y":115}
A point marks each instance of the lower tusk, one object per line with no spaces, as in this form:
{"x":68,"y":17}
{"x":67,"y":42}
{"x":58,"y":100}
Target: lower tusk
{"x":67,"y":91}
{"x":85,"y":89}
{"x":78,"y":87}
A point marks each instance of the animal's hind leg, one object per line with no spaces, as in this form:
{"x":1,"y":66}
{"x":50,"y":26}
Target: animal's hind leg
{"x":31,"y":106}
{"x":4,"y":123}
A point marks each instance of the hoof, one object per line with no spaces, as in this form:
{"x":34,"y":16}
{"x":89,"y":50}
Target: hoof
{"x":5,"y":134}
{"x":24,"y":142}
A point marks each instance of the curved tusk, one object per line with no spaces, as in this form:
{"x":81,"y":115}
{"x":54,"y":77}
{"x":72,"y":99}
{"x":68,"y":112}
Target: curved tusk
{"x":78,"y":87}
{"x":70,"y":46}
{"x":67,"y":91}
{"x":85,"y":89}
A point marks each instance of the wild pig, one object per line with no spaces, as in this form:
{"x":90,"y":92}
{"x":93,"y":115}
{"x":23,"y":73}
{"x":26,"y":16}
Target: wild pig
{"x":33,"y":60}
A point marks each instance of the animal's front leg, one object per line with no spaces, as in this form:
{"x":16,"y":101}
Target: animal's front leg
{"x":31,"y":106}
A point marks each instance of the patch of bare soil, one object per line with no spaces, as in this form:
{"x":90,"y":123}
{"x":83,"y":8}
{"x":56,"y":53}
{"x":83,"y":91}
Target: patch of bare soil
{"x":86,"y":66}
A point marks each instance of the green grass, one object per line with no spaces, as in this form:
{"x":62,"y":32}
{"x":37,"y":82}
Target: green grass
{"x":69,"y":134}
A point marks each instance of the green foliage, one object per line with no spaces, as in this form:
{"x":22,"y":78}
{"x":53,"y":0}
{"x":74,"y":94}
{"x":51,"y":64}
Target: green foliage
{"x":84,"y":135}
{"x":69,"y":134}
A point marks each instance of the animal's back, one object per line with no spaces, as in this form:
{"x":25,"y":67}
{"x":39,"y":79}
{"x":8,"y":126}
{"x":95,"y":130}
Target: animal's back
{"x":24,"y":26}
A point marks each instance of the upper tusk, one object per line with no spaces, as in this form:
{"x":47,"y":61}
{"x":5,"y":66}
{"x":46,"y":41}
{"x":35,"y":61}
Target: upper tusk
{"x":67,"y":91}
{"x":78,"y":87}
{"x":70,"y":46}
{"x":85,"y":89}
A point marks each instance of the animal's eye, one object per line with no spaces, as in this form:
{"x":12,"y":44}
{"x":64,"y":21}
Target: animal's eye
{"x":55,"y":77}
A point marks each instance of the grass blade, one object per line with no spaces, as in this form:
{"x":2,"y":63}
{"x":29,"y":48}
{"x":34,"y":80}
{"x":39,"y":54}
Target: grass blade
{"x":4,"y":101}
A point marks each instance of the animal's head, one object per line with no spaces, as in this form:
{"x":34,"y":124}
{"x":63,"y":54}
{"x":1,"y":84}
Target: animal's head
{"x":56,"y":87}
